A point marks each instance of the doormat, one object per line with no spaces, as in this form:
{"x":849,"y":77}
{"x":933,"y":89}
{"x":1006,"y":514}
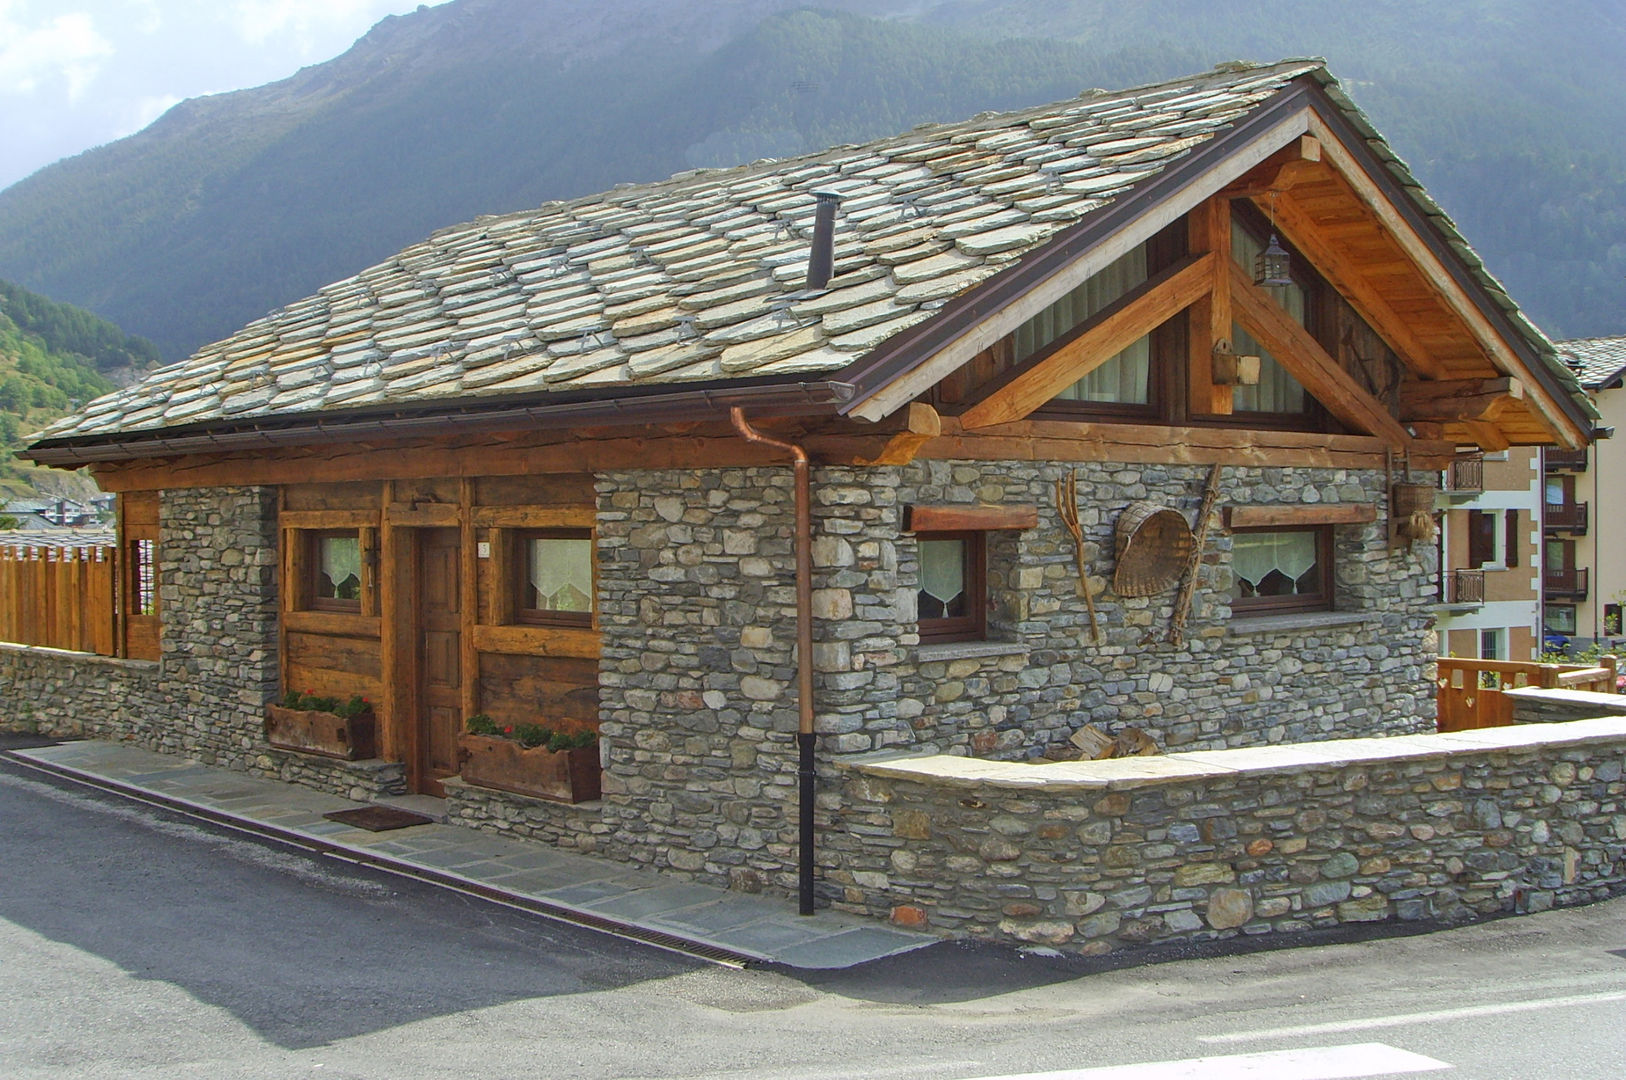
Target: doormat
{"x":378,"y":818}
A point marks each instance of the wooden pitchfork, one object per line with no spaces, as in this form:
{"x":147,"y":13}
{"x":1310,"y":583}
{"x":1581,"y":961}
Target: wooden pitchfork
{"x":1067,"y":507}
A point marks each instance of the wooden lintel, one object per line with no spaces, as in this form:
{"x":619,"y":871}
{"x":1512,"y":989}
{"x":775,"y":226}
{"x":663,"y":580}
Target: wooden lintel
{"x":423,"y":516}
{"x":534,"y":517}
{"x":1448,"y":400}
{"x":1258,"y":517}
{"x":1098,"y":339}
{"x":968,"y":518}
{"x":1304,"y":358}
{"x":328,"y":519}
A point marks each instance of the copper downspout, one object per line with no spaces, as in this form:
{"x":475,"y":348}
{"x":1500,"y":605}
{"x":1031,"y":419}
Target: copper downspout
{"x":805,"y":738}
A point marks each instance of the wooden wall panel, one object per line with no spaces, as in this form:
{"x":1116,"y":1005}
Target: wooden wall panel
{"x":564,"y":489}
{"x":357,"y":495}
{"x":561,"y":692}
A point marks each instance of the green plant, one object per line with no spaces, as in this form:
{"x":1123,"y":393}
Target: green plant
{"x":530,"y":736}
{"x":309,"y":701}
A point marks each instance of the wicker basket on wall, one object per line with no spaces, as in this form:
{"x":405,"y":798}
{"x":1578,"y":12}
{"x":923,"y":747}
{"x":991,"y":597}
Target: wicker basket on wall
{"x":1154,"y":545}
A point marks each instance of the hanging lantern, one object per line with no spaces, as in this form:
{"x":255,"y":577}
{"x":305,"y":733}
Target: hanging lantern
{"x":1273,"y":266}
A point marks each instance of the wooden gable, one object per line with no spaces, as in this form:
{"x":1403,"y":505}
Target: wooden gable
{"x":1462,"y":379}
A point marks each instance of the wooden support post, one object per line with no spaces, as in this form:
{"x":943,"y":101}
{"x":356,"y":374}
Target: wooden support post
{"x":1209,"y":231}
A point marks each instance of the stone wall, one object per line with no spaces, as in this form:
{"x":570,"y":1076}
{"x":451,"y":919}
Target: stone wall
{"x":698,"y":622}
{"x":1096,"y":856}
{"x":58,"y":693}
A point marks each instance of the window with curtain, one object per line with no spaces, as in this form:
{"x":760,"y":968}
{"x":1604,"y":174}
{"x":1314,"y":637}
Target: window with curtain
{"x":335,"y":563}
{"x":1125,"y":379}
{"x":1277,"y":391}
{"x":1281,"y":569}
{"x":554,"y":582}
{"x":952,"y":600}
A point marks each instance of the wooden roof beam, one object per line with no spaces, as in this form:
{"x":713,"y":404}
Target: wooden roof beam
{"x":1349,"y":280}
{"x":1095,"y":341}
{"x":1455,"y":400}
{"x":1298,"y":162}
{"x":1305,"y":359}
{"x":1501,"y":354}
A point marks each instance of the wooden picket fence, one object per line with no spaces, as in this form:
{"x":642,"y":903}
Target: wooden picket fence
{"x":1470,"y":692}
{"x":60,"y":597}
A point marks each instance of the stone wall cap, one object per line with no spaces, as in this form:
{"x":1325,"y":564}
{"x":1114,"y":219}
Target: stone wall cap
{"x":1613,"y":704}
{"x":1304,"y":620}
{"x":969,"y":650}
{"x":1132,"y":772}
{"x":47,"y":653}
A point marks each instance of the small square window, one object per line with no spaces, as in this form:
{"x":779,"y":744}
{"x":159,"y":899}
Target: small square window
{"x":1280,"y":570}
{"x":335,"y":561}
{"x":554,"y":576}
{"x":952,"y":602}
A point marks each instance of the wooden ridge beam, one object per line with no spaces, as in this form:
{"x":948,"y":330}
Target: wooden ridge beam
{"x":1297,"y":163}
{"x":1305,"y":359}
{"x":1567,"y":433}
{"x":1447,"y":400}
{"x":1095,"y":341}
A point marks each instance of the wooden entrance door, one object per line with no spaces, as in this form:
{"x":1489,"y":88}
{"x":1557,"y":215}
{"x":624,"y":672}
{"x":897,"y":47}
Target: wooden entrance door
{"x":439,"y":658}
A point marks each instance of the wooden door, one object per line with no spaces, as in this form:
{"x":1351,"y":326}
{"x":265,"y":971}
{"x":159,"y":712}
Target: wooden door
{"x":439,"y":658}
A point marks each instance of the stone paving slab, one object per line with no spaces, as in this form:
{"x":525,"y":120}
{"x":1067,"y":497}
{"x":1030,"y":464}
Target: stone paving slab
{"x":620,"y":899}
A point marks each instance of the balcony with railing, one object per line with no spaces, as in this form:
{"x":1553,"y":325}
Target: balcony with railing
{"x":1462,"y":588}
{"x":1557,"y":460}
{"x":1466,"y":476}
{"x":1565,"y":516}
{"x":1569,"y":583}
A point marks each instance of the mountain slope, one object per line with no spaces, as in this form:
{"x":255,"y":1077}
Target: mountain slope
{"x":231,"y":205}
{"x":53,"y":358}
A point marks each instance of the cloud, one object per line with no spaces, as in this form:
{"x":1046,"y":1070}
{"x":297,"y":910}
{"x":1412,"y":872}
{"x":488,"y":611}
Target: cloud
{"x":65,"y":47}
{"x":302,"y":22}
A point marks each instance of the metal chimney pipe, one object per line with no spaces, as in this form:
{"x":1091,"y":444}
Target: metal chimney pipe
{"x":821,"y":263}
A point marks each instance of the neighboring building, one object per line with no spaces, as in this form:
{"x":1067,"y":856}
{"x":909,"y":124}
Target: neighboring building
{"x":1585,"y":511}
{"x":538,"y":467}
{"x":1490,"y":544}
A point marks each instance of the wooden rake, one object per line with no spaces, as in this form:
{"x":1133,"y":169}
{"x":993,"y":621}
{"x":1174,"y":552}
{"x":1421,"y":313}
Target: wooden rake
{"x":1067,"y":507}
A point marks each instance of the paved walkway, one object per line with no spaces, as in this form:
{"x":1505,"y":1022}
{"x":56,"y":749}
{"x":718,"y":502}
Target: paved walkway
{"x":717,"y":924}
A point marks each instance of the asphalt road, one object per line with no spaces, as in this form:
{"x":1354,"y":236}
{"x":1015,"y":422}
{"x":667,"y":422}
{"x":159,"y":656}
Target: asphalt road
{"x":134,"y":943}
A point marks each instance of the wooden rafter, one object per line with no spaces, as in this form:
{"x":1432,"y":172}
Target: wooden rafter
{"x":1304,"y":358}
{"x":1095,"y":341}
{"x":1440,"y":280}
{"x":1448,"y":400}
{"x":1348,"y":280}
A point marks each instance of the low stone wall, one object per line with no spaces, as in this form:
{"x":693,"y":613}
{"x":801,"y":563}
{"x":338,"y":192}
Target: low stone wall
{"x":1095,"y":856}
{"x":1533,"y":705}
{"x":58,"y":693}
{"x":580,"y":827}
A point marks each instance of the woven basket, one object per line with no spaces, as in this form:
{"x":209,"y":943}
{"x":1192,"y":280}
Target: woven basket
{"x":1154,"y":544}
{"x":1410,"y":499}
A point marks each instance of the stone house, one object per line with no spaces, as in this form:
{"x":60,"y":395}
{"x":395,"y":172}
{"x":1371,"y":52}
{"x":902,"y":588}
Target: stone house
{"x":760,"y":471}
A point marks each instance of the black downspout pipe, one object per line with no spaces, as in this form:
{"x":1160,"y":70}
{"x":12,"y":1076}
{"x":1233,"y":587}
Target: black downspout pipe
{"x":806,"y":739}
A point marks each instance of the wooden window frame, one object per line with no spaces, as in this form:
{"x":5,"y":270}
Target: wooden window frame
{"x":312,"y":540}
{"x":519,"y":580}
{"x":1322,"y":600}
{"x":972,"y":626}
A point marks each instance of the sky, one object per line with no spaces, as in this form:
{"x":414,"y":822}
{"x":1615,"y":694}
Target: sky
{"x":78,"y":73}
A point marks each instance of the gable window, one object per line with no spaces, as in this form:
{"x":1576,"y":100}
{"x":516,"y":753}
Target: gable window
{"x":952,"y":602}
{"x":1281,"y":570}
{"x":553,"y":576}
{"x":1124,"y":379}
{"x":335,"y":562}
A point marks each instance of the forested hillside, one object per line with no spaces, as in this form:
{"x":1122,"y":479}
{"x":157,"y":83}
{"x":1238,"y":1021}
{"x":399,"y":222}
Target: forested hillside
{"x":232,"y":205}
{"x":53,"y":358}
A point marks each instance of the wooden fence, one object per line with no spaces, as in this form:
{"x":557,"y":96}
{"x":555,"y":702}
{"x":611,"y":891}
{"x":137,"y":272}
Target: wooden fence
{"x":1470,"y":691}
{"x":60,"y":597}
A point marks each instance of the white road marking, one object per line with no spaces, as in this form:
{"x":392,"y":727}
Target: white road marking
{"x":1317,"y":1063}
{"x":1405,"y":1019}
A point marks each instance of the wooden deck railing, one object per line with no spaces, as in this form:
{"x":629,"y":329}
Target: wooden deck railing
{"x":1470,"y":692}
{"x":61,"y":598}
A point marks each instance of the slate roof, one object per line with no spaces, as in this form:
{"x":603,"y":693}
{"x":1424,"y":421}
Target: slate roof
{"x":1597,"y":362}
{"x":700,"y":278}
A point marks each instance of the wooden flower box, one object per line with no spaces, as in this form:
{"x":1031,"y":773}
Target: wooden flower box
{"x":349,"y":738}
{"x":569,"y":776}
